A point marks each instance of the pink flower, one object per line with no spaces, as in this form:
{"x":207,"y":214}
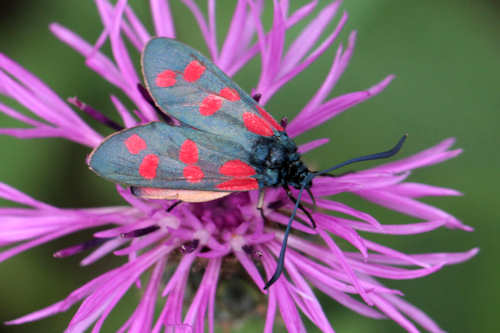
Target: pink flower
{"x":215,"y":235}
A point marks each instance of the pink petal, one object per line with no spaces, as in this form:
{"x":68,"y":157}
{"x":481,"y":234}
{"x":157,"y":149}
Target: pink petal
{"x":411,"y":207}
{"x":307,"y":301}
{"x":144,"y":313}
{"x":345,"y":209}
{"x":336,"y":106}
{"x":398,"y":229}
{"x":414,"y":313}
{"x":308,"y":37}
{"x":99,"y":62}
{"x":9,"y":193}
{"x":202,"y":23}
{"x":296,"y":17}
{"x":417,"y":190}
{"x":343,"y":231}
{"x":283,"y":79}
{"x":430,"y":258}
{"x":338,"y":67}
{"x":348,"y":301}
{"x":306,"y":147}
{"x":232,"y":42}
{"x":127,"y":118}
{"x":162,"y":18}
{"x":213,"y":30}
{"x":394,"y":314}
{"x":285,"y":302}
{"x":103,"y":250}
{"x":430,"y":156}
{"x":271,"y":48}
{"x":118,"y":48}
{"x":19,"y":116}
{"x":138,"y":27}
{"x":171,"y":314}
{"x":251,"y":269}
{"x":301,"y":13}
{"x":183,"y":267}
{"x":271,"y":312}
{"x":347,"y":268}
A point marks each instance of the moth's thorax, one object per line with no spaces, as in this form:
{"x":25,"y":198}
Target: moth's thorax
{"x":278,"y":162}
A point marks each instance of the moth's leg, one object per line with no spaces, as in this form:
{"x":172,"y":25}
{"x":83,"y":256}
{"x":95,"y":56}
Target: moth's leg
{"x":175,"y":204}
{"x":313,"y":199}
{"x":309,"y":216}
{"x":260,"y":205}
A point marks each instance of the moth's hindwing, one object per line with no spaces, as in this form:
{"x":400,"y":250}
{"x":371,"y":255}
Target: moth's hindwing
{"x":158,"y":155}
{"x":172,"y":194}
{"x":188,"y":86}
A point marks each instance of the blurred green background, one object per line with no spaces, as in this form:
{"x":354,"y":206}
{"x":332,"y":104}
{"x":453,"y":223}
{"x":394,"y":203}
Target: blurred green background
{"x":446,"y":55}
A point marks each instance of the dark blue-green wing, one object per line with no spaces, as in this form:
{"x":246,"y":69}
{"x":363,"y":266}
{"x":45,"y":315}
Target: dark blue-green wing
{"x":188,"y":86}
{"x":162,"y":156}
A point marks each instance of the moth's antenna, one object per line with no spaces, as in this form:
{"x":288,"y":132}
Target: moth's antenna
{"x":281,"y":260}
{"x":385,"y":154}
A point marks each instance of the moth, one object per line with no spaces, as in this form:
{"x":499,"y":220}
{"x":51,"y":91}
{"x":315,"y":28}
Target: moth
{"x":223,"y":141}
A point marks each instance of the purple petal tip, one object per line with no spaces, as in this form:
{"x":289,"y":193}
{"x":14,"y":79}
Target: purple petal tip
{"x":472,"y":252}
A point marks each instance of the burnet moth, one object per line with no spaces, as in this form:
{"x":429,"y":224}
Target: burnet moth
{"x":223,"y":141}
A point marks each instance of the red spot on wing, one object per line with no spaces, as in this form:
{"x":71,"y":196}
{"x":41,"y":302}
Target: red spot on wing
{"x":189,"y":152}
{"x":193,"y":71}
{"x":210,"y":105}
{"x":193,"y":173}
{"x":237,"y":168}
{"x":256,"y":124}
{"x":242,"y":184}
{"x":166,"y":79}
{"x":229,"y":94}
{"x":269,"y":118}
{"x":135,"y":144}
{"x":148,"y":166}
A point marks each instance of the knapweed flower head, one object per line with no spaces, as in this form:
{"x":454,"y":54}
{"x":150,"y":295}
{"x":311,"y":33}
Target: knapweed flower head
{"x":181,"y":257}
